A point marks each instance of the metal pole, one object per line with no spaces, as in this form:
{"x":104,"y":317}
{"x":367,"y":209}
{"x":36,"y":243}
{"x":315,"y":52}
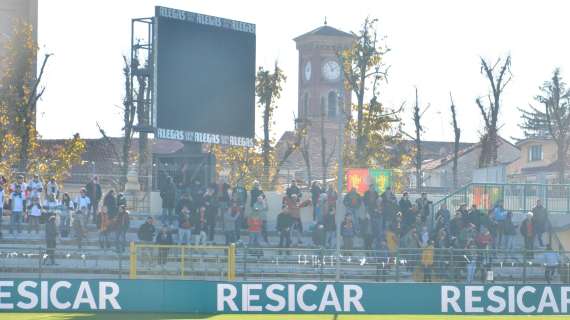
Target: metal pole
{"x":340,"y":173}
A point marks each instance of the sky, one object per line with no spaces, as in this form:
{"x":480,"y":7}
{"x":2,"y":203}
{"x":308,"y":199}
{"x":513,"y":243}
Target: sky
{"x":435,"y":46}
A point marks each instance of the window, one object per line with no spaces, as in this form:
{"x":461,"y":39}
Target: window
{"x":535,"y":153}
{"x":332,"y":104}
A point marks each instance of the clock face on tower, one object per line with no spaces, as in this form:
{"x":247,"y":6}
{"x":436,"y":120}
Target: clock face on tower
{"x":308,"y":71}
{"x":331,"y":70}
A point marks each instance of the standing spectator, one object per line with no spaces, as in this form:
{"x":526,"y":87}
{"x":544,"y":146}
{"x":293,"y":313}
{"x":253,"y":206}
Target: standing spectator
{"x":456,"y":224}
{"x":352,"y":202}
{"x":110,"y":201}
{"x":510,"y":232}
{"x":168,"y":195}
{"x":316,"y":192}
{"x":230,"y":217}
{"x":51,"y":205}
{"x":370,"y":199}
{"x":196,"y":192}
{"x":293,"y":206}
{"x":183,"y":201}
{"x":52,"y":188}
{"x":284,"y":223}
{"x":255,"y":193}
{"x":34,"y":215}
{"x":475,"y":216}
{"x":254,"y":227}
{"x":105,"y":226}
{"x":67,"y":207}
{"x":347,"y":232}
{"x":36,"y":187}
{"x":332,"y":196}
{"x":83,"y":203}
{"x":423,"y":204}
{"x":260,"y":209}
{"x":293,"y":189}
{"x":540,"y":216}
{"x":471,"y":260}
{"x":51,"y":235}
{"x":527,"y":231}
{"x":239,"y":198}
{"x":320,"y":208}
{"x":19,"y":183}
{"x":365,"y":231}
{"x":122,"y":223}
{"x":499,"y":215}
{"x":223,"y":197}
{"x":209,"y":202}
{"x":329,"y":222}
{"x":443,"y":218}
{"x":551,"y":262}
{"x":427,"y":261}
{"x":121,"y":199}
{"x":164,"y":237}
{"x":146,"y":235}
{"x":389,"y":206}
{"x":184,"y":227}
{"x":93,"y":191}
{"x":200,"y":226}
{"x":405,"y":205}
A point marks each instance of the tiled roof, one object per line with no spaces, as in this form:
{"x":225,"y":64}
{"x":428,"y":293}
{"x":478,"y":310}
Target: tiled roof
{"x":325,"y":31}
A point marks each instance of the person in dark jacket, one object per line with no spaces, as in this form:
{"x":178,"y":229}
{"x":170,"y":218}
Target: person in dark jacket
{"x":209,"y":201}
{"x":540,"y":219}
{"x":316,"y":191}
{"x":146,"y":236}
{"x":122,"y":224}
{"x":164,"y":237}
{"x":329,"y":222}
{"x":94,"y":192}
{"x":293,"y":189}
{"x":405,"y":204}
{"x":255,"y":193}
{"x":110,"y":201}
{"x":51,"y":235}
{"x":168,"y":195}
{"x":284,"y":223}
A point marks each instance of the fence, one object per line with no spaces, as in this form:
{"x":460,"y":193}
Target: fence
{"x":25,"y":260}
{"x":150,"y":261}
{"x":516,"y":197}
{"x":182,"y":261}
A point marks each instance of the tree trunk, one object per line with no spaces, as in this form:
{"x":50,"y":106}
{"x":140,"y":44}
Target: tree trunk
{"x":562,"y":154}
{"x":142,"y":114}
{"x":266,"y":145}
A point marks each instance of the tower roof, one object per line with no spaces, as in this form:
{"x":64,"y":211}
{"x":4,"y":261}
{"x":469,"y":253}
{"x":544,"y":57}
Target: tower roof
{"x":325,"y":31}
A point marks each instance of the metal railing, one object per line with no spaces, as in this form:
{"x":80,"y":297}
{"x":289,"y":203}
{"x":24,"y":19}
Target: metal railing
{"x":150,"y":261}
{"x":71,"y":262}
{"x":516,"y":197}
{"x":182,"y":261}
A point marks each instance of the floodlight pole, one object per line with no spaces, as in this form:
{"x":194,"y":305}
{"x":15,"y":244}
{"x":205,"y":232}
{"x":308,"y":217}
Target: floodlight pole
{"x":340,"y":173}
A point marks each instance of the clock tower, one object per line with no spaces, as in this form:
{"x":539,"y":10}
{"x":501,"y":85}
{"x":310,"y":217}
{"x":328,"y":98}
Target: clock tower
{"x":320,"y":75}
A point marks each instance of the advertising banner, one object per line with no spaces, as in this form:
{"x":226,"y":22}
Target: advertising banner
{"x":207,"y":297}
{"x":358,"y":179}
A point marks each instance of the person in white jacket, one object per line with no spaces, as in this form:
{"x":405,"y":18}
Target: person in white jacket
{"x":83,"y":203}
{"x":18,"y":205}
{"x":36,"y":187}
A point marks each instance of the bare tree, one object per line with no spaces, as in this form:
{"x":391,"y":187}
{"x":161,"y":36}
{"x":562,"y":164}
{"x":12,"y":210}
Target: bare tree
{"x":457,"y":137}
{"x":325,"y":158}
{"x":499,"y":75}
{"x":417,"y":138}
{"x":553,"y":119}
{"x":128,"y":113}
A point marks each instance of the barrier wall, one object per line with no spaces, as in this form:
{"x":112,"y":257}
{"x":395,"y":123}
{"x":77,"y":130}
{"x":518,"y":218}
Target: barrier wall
{"x":207,"y":297}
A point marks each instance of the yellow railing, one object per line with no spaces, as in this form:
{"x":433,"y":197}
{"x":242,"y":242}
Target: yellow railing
{"x":229,"y":253}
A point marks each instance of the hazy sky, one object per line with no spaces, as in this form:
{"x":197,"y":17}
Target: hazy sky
{"x":435,"y":46}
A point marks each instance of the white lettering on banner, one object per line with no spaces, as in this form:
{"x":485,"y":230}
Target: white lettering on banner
{"x":491,"y":294}
{"x":30,"y":295}
{"x":206,"y":20}
{"x":526,"y":299}
{"x":202,"y":137}
{"x":309,"y":297}
{"x":5,"y":294}
{"x":33,"y":299}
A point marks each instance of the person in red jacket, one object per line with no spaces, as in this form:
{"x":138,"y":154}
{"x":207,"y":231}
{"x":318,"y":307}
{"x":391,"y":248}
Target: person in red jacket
{"x":293,"y":207}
